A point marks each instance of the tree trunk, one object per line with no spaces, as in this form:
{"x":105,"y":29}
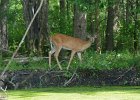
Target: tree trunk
{"x":109,"y":29}
{"x":44,"y":27}
{"x":94,"y":25}
{"x":68,"y":18}
{"x":136,"y":26}
{"x":39,"y":29}
{"x":79,"y":23}
{"x":128,"y":6}
{"x":62,"y":16}
{"x":29,"y":10}
{"x":3,"y":25}
{"x":98,"y":39}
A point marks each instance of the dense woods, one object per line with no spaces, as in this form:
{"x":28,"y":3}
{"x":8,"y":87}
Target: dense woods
{"x":116,"y":23}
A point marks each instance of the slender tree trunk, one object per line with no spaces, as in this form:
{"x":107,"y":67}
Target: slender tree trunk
{"x":0,"y":50}
{"x":0,"y":44}
{"x":3,"y":25}
{"x":128,"y":6}
{"x":3,"y":28}
{"x":79,"y":23}
{"x":62,"y":16}
{"x":109,"y":30}
{"x":138,"y":24}
{"x":120,"y":42}
{"x":44,"y":27}
{"x":92,"y":23}
{"x":136,"y":27}
{"x":98,"y":40}
{"x":68,"y":18}
{"x":116,"y":26}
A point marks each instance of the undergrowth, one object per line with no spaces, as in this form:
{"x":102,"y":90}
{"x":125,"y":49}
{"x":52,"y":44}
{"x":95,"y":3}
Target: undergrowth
{"x":108,"y":60}
{"x":90,"y":60}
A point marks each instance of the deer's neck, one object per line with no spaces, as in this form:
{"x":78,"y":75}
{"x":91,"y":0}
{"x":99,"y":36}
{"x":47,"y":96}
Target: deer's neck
{"x":88,"y":44}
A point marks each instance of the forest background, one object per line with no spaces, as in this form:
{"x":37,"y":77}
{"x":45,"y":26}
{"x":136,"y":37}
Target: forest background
{"x":116,"y":23}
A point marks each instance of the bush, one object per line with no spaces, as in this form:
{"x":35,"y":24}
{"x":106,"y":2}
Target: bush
{"x":108,"y":60}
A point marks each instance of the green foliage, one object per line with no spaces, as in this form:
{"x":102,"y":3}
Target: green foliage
{"x":124,"y":39}
{"x":108,"y":60}
{"x":16,"y":24}
{"x":90,"y":60}
{"x":28,"y":64}
{"x":55,"y":17}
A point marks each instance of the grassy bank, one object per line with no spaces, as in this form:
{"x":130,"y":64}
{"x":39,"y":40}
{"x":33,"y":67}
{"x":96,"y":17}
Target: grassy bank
{"x":77,"y":93}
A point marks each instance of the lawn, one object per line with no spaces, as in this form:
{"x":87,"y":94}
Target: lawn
{"x":77,"y":93}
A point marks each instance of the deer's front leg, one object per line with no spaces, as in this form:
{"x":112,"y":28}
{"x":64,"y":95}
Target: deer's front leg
{"x":72,"y":54}
{"x":79,"y":56}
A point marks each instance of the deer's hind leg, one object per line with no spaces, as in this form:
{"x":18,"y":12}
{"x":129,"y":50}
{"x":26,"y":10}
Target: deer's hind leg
{"x":50,"y":54}
{"x":58,"y":49}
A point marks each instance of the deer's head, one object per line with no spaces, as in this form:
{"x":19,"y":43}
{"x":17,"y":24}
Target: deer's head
{"x":92,"y":38}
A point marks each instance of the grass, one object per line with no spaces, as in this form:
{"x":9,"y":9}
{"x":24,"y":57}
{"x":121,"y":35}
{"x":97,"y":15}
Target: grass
{"x":77,"y":93}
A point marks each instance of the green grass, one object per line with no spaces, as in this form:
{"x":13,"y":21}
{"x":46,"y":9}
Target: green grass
{"x":77,"y":93}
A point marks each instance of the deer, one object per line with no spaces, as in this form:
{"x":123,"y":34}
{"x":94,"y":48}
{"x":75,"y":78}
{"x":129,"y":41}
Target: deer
{"x":76,"y":45}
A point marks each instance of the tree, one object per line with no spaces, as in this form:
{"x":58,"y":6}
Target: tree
{"x":109,"y":29}
{"x":62,"y":16}
{"x":98,"y":40}
{"x":3,"y":25}
{"x":39,"y":30}
{"x":79,"y":22}
{"x":44,"y":26}
{"x":94,"y":23}
{"x":116,"y":22}
{"x":136,"y":25}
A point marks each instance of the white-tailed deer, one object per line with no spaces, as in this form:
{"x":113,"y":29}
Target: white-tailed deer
{"x":76,"y":45}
